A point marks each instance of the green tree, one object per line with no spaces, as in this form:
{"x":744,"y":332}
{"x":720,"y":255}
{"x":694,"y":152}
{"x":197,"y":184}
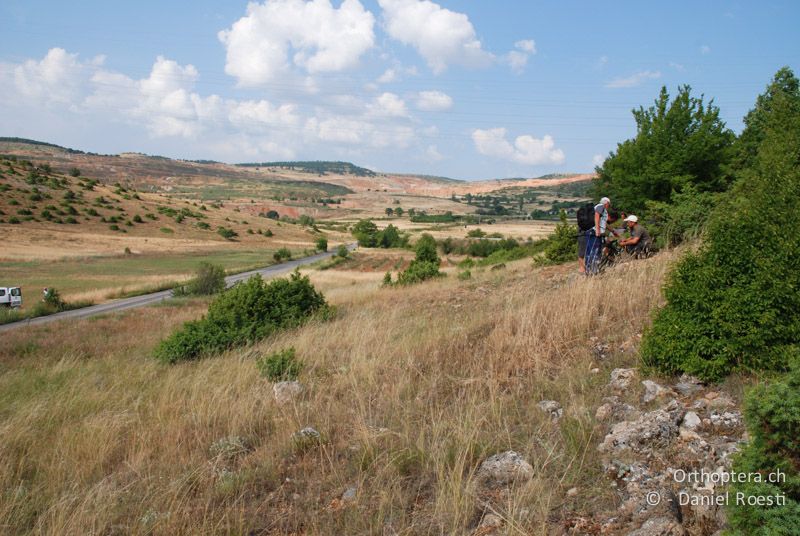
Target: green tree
{"x":366,"y":232}
{"x":735,"y":304}
{"x":389,"y":211}
{"x":322,"y":243}
{"x":398,"y":211}
{"x":426,"y":249}
{"x":677,"y":143}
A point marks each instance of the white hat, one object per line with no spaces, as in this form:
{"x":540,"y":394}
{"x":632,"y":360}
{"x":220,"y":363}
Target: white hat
{"x":605,"y":200}
{"x":632,"y":218}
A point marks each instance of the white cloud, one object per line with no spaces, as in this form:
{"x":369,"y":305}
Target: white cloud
{"x":705,"y":49}
{"x":320,"y":37}
{"x":358,"y":131}
{"x":634,"y":80}
{"x":597,"y":160}
{"x":441,"y":36}
{"x":388,"y":76}
{"x":59,"y":78}
{"x":433,"y":154}
{"x":525,"y":150}
{"x":434,"y":101}
{"x":677,"y":66}
{"x":389,"y":105}
{"x":526,"y":45}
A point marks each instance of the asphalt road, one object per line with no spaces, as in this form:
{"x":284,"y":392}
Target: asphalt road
{"x":149,"y":299}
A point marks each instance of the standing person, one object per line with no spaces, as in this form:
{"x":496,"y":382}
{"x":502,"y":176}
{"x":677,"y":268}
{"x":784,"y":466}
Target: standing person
{"x":594,"y":241}
{"x":639,"y":241}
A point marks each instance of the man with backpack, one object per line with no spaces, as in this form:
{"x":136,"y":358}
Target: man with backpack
{"x":592,"y":224}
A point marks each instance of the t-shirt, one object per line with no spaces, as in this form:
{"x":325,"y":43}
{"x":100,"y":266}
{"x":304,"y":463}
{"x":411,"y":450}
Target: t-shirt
{"x":601,"y":209}
{"x":641,"y":232}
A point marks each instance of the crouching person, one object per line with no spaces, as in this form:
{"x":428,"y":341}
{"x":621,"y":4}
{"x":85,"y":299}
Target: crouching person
{"x":638,"y":244}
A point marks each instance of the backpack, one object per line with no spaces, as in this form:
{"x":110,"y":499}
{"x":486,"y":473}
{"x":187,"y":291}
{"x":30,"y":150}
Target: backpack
{"x":586,"y":217}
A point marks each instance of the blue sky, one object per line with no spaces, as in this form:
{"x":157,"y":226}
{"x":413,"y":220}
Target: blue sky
{"x":467,"y":89}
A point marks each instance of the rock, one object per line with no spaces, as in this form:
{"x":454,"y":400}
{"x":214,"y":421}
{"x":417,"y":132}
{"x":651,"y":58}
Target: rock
{"x":306,"y":438}
{"x":552,"y":408}
{"x":286,"y":392}
{"x":350,"y":494}
{"x":229,"y":448}
{"x":621,"y":379}
{"x":308,"y":432}
{"x":654,"y":430}
{"x":600,"y":350}
{"x":652,"y":391}
{"x":572,"y":492}
{"x":721,"y":401}
{"x":615,"y":411}
{"x":691,"y":421}
{"x":595,"y":370}
{"x":688,"y":385}
{"x":727,"y":420}
{"x":505,"y":468}
{"x":659,"y":526}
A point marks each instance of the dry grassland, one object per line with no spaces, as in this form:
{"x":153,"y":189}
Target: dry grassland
{"x":411,"y":389}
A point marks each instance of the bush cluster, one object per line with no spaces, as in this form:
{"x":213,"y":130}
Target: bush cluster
{"x":246,"y":313}
{"x":210,"y":279}
{"x":424,"y":266}
{"x":280,"y":366}
{"x":368,"y":235}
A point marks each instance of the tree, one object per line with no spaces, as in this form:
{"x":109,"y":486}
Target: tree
{"x":322,"y":243}
{"x":734,"y":304}
{"x":389,"y":211}
{"x":426,"y":250}
{"x":366,"y":232}
{"x":398,"y":212}
{"x":677,"y":143}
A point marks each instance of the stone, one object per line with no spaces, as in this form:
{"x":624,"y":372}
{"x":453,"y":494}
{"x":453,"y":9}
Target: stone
{"x":688,"y":385}
{"x":551,"y":408}
{"x":613,"y":410}
{"x":572,"y":492}
{"x":229,"y":448}
{"x":621,"y":379}
{"x":505,"y":468}
{"x":350,"y":494}
{"x":659,"y":526}
{"x":727,"y":419}
{"x":653,"y":430}
{"x":721,"y":401}
{"x":286,"y":392}
{"x":691,"y":421}
{"x":652,"y":391}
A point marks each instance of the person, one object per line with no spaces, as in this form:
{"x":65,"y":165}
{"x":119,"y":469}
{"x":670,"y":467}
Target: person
{"x":45,"y":293}
{"x":639,"y":241}
{"x":595,"y":237}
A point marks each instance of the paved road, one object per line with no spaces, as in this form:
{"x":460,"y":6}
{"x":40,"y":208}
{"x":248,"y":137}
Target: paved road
{"x":155,"y":297}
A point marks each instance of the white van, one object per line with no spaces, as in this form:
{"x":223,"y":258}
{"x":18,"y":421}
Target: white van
{"x":10,"y":297}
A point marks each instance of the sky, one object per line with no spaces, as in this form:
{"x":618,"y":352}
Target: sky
{"x":466,"y":89}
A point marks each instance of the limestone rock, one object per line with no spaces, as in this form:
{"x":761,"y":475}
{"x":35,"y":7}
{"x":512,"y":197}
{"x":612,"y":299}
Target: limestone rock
{"x":505,"y":468}
{"x":621,"y":379}
{"x":688,"y":385}
{"x":652,"y":391}
{"x":659,"y":526}
{"x":285,"y":392}
{"x":653,"y":430}
{"x":691,"y":421}
{"x":552,"y":408}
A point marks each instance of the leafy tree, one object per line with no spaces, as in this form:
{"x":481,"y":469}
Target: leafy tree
{"x":677,"y":143}
{"x":398,"y":211}
{"x":389,"y":211}
{"x":735,"y":304}
{"x":424,"y":266}
{"x":426,"y":250}
{"x":366,"y":232}
{"x":322,"y":243}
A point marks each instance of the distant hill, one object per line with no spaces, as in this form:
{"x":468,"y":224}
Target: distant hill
{"x":319,"y":167}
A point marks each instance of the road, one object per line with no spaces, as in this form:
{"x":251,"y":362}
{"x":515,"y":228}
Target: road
{"x":149,"y":299}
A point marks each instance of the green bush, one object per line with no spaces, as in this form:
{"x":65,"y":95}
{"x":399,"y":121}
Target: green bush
{"x":424,"y":266}
{"x":210,"y":279}
{"x":281,"y":366}
{"x":735,"y":304}
{"x":683,"y":219}
{"x":772,"y":413}
{"x":561,"y":246}
{"x":244,"y":314}
{"x":282,"y":254}
{"x":226,"y":233}
{"x":322,"y":243}
{"x":463,"y":276}
{"x":342,"y":252}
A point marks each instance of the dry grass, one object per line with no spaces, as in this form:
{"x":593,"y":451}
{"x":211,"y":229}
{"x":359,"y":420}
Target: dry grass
{"x":411,"y":389}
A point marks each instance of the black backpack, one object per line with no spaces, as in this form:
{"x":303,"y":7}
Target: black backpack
{"x":586,"y":217}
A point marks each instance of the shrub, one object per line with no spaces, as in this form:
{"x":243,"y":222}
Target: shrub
{"x":210,"y":279}
{"x":226,"y":233}
{"x":424,"y":266}
{"x":684,"y":219}
{"x":244,"y":314}
{"x":281,"y":254}
{"x":342,"y":252}
{"x":322,"y":243}
{"x":735,"y":304}
{"x":387,"y":279}
{"x":281,"y":366}
{"x":562,"y":245}
{"x":476,"y":233}
{"x":268,"y":232}
{"x":366,"y":232}
{"x":773,"y":421}
{"x":138,"y":219}
{"x":426,"y":250}
{"x":114,"y":227}
{"x":463,"y":276}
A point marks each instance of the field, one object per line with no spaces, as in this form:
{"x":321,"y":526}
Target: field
{"x":410,"y":388}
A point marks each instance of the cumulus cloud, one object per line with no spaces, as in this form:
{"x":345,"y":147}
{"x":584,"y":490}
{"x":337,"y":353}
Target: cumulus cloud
{"x":525,"y":150}
{"x":389,"y":105}
{"x":358,"y":131}
{"x":433,"y":101}
{"x":518,"y":58}
{"x":636,"y":79}
{"x":58,"y":78}
{"x":441,"y":36}
{"x":319,"y":37}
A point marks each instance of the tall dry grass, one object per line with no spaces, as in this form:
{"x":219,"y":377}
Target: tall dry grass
{"x":411,"y":389}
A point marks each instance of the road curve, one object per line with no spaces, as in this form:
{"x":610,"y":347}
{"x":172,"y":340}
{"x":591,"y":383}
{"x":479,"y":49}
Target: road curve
{"x":149,"y":299}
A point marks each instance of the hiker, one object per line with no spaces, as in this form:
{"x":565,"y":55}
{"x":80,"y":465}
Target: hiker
{"x":639,"y":242}
{"x":596,"y":236}
{"x":45,"y":294}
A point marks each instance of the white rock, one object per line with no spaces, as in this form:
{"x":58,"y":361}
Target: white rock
{"x":552,"y":408}
{"x":285,"y":392}
{"x":621,"y":378}
{"x":691,"y":421}
{"x":652,"y":391}
{"x":505,"y":468}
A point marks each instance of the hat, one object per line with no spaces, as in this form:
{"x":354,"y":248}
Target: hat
{"x":605,"y":200}
{"x":632,"y":218}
